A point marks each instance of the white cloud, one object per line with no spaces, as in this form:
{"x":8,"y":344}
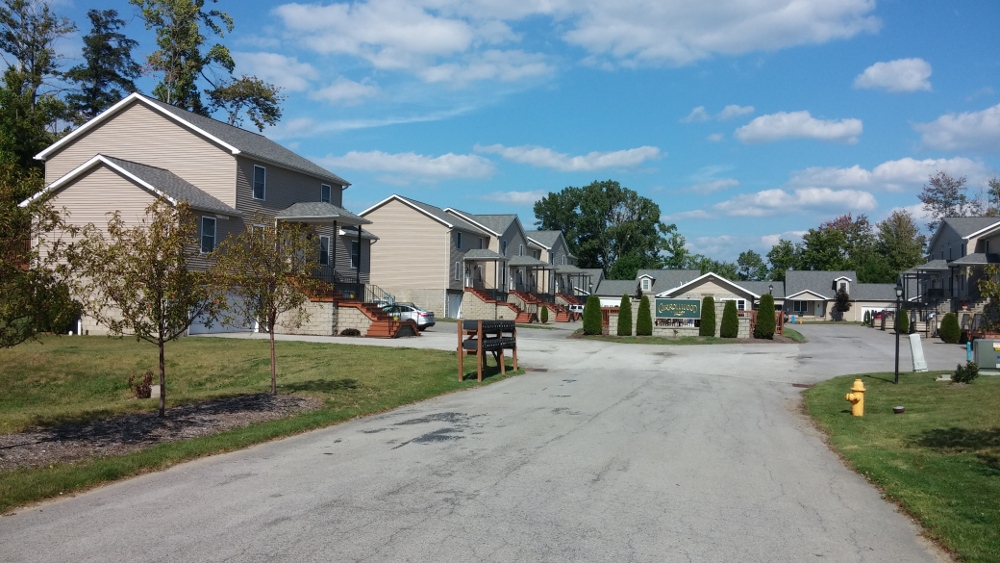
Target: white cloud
{"x":712,"y":186}
{"x":799,"y":125}
{"x":286,"y":72}
{"x":697,"y":114}
{"x":516,"y":198}
{"x":344,"y":91}
{"x":547,"y":158}
{"x":734,"y":110}
{"x":716,"y":137}
{"x":689,"y":215}
{"x":768,"y":241}
{"x":309,"y":127}
{"x":901,"y":75}
{"x":780,"y":202}
{"x":892,"y":175}
{"x":506,"y":66}
{"x":410,"y":164}
{"x":919,"y":213}
{"x":968,"y":130}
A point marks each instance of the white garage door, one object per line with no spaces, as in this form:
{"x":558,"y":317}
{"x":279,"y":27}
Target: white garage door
{"x":455,"y":305}
{"x":199,"y":327}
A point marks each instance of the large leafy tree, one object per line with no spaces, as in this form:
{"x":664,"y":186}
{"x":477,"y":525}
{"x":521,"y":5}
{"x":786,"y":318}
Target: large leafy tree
{"x":783,"y":256}
{"x":751,"y":266}
{"x":34,"y":245}
{"x":269,"y":271}
{"x":108,"y":71}
{"x":185,"y":59}
{"x":947,"y":196}
{"x":604,"y":223}
{"x":138,"y":281}
{"x":899,"y":244}
{"x":29,"y":30}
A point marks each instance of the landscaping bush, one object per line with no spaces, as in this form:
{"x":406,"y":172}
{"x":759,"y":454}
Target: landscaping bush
{"x":592,"y":315}
{"x":625,"y":317}
{"x":868,"y":317}
{"x":644,"y":323}
{"x":730,"y":321}
{"x":142,"y":389}
{"x":950,"y":331}
{"x":544,"y":314}
{"x":903,"y":322}
{"x":965,"y":374}
{"x":765,"y":318}
{"x":707,"y":327}
{"x":350,"y":332}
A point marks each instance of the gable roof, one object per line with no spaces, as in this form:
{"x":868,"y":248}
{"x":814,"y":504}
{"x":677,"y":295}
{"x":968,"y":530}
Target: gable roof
{"x":873,"y":292}
{"x":819,"y":282}
{"x":966,"y":227}
{"x":615,"y":288}
{"x":709,"y":275}
{"x":761,"y":288}
{"x":664,"y":280}
{"x":547,"y":239}
{"x":159,"y":182}
{"x":234,"y":139}
{"x":435,"y":213}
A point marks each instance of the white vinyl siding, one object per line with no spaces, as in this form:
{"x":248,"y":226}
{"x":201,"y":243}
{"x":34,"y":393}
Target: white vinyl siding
{"x":259,"y":182}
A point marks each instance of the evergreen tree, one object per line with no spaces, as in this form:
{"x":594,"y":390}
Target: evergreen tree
{"x":592,"y":315}
{"x":903,"y":322}
{"x":766,"y":325}
{"x":644,"y":322}
{"x":544,"y":314}
{"x":707,"y":317}
{"x":730,"y":321}
{"x":950,"y":332}
{"x":625,"y":317}
{"x":108,"y":71}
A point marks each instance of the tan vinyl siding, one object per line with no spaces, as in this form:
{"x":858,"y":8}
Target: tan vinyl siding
{"x":411,"y":251}
{"x":94,"y":195}
{"x":282,"y":188}
{"x":143,"y":135}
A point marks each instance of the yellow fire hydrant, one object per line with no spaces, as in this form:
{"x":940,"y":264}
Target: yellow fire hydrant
{"x":857,"y":398}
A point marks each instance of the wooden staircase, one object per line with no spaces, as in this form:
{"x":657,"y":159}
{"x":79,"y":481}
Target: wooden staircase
{"x":383,"y":326}
{"x":521,"y":316}
{"x":562,"y":314}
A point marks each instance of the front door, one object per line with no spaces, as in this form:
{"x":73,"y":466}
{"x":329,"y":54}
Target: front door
{"x":819,"y":309}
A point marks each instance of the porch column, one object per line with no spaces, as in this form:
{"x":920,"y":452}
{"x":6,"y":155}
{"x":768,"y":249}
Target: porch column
{"x":359,"y":263}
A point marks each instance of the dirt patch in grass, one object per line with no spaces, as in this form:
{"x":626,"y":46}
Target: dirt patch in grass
{"x":124,"y":434}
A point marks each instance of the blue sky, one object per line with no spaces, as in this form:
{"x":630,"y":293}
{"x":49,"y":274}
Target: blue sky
{"x":745,"y":121}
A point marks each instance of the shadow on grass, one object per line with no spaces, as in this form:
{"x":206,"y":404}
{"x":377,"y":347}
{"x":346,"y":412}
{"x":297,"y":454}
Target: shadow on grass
{"x":890,"y":378}
{"x":324,"y":385}
{"x":985,"y":444}
{"x":488,"y":371}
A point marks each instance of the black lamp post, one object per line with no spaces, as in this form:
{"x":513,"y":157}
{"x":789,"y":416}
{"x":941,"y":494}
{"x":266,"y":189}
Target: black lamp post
{"x":899,"y":295}
{"x":770,"y":290}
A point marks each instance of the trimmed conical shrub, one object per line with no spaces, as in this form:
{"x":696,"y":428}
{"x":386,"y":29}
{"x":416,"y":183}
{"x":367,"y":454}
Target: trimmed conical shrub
{"x":765,"y":318}
{"x":950,"y":331}
{"x":644,"y":322}
{"x":868,"y":317}
{"x":625,"y":317}
{"x":592,"y":315}
{"x":707,"y":317}
{"x":903,"y":322}
{"x":730,"y":321}
{"x":544,"y":314}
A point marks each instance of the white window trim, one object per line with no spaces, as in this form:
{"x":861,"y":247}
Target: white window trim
{"x":645,"y":284}
{"x":253,"y":183}
{"x":215,"y":233}
{"x":322,"y":188}
{"x":457,"y":274}
{"x":322,"y":254}
{"x":520,"y":250}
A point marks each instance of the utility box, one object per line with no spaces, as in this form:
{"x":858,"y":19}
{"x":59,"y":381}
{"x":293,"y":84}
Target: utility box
{"x":986,"y":353}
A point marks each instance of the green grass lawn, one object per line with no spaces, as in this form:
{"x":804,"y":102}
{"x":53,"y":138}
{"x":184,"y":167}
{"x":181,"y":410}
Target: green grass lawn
{"x":940,"y":461}
{"x":76,"y":379}
{"x":794,"y":335}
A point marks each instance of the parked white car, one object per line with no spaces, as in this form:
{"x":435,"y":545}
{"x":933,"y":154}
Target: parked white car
{"x":576,"y":309}
{"x":410,"y":312}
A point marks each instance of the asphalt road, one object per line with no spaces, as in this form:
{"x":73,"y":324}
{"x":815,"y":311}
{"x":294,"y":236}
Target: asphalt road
{"x":602,"y":452}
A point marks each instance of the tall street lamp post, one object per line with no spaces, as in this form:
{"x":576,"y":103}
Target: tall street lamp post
{"x":899,"y":295}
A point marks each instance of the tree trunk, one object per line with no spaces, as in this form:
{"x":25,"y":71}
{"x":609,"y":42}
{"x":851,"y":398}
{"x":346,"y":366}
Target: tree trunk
{"x":163,"y":379}
{"x":274,"y":379}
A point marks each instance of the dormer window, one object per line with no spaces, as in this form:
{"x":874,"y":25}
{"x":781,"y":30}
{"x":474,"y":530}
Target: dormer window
{"x":645,"y":284}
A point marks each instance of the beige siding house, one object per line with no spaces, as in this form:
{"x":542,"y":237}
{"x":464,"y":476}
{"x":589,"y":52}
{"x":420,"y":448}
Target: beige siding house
{"x":141,"y":149}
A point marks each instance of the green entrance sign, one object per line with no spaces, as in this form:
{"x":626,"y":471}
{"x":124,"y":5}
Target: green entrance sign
{"x":678,"y":309}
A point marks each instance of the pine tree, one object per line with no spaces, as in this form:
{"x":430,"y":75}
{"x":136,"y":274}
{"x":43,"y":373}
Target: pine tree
{"x":108,"y":72}
{"x":625,"y":317}
{"x":765,"y":318}
{"x":707,"y":317}
{"x":592,"y":315}
{"x":644,"y":322}
{"x":730,"y":321}
{"x":544,"y":314}
{"x":903,"y":322}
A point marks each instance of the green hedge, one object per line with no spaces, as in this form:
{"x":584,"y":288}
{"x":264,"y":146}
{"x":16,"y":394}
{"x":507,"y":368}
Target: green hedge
{"x":707,"y":317}
{"x":592,"y":315}
{"x":625,"y":317}
{"x":544,"y":314}
{"x":765,"y":318}
{"x":950,"y":331}
{"x":730,"y":321}
{"x":644,"y":324}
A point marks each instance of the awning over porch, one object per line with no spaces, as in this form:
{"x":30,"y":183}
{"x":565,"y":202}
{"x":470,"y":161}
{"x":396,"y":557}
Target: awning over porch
{"x":529,"y":262}
{"x":483,"y":255}
{"x":977,"y":259}
{"x":320,"y":212}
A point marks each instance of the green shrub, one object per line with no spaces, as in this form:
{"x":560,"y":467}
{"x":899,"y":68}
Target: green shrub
{"x":903,"y":322}
{"x":544,"y":314}
{"x":707,"y":327}
{"x":625,"y":317}
{"x":644,"y":323}
{"x":868,"y":317}
{"x":592,"y":315}
{"x":765,"y":318}
{"x":950,"y":331}
{"x":730,"y":321}
{"x":965,"y":374}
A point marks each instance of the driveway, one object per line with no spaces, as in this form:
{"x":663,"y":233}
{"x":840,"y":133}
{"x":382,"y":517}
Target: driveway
{"x":602,"y":452}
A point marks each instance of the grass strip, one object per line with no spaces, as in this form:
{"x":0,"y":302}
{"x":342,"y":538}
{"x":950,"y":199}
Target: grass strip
{"x":79,"y":379}
{"x":794,"y":335}
{"x":939,"y":461}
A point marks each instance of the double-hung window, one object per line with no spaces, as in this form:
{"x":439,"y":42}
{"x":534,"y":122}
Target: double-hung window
{"x":355,"y":254}
{"x":259,"y":181}
{"x":325,"y":193}
{"x":645,"y":284}
{"x":520,"y":250}
{"x":324,"y":250}
{"x":503,"y":248}
{"x":458,"y":240}
{"x":207,"y":234}
{"x":458,"y":271}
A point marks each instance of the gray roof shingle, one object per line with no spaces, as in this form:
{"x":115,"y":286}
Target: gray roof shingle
{"x":616,"y":288}
{"x":174,"y":186}
{"x":546,"y":238}
{"x":977,"y":259}
{"x":816,"y":281}
{"x":320,"y":211}
{"x":495,"y":223}
{"x":664,"y":280}
{"x":478,"y":254}
{"x":761,"y":287}
{"x":965,"y":226}
{"x":873,"y":292}
{"x":529,"y":261}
